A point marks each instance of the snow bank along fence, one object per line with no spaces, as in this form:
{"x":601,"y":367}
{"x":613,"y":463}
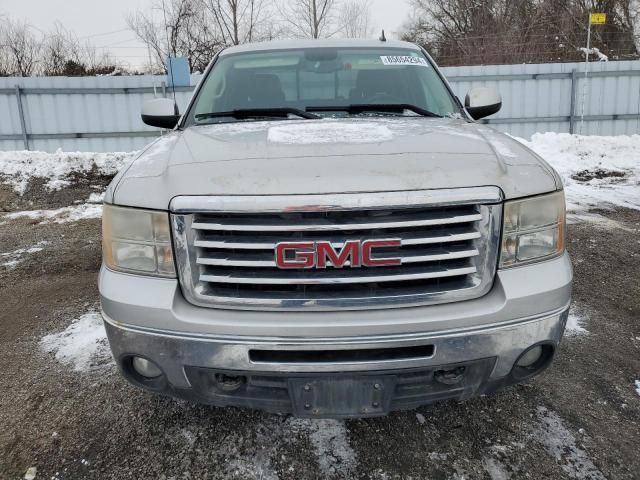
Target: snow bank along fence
{"x":103,"y":113}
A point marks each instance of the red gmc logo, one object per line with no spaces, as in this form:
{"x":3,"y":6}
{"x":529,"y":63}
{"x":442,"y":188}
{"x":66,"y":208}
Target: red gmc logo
{"x":354,"y":253}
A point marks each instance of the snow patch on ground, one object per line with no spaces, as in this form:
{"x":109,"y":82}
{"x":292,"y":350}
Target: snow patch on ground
{"x":330,"y":132}
{"x":82,"y":345}
{"x":31,"y":473}
{"x":73,"y":213}
{"x":638,"y":387}
{"x":96,"y":197}
{"x":595,"y":170}
{"x":495,"y":469}
{"x":575,"y":323}
{"x":599,"y":221}
{"x":256,"y":466}
{"x":19,"y":167}
{"x":330,"y":441}
{"x":560,"y":443}
{"x":10,"y":260}
{"x":253,"y":458}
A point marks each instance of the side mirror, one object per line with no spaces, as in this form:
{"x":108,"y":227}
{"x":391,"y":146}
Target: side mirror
{"x":481,"y":102}
{"x":160,"y":112}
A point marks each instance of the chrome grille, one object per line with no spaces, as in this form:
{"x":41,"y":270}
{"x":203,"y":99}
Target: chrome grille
{"x":225,"y":248}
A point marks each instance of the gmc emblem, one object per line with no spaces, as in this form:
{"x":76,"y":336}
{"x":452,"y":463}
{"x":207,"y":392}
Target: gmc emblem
{"x":354,"y":253}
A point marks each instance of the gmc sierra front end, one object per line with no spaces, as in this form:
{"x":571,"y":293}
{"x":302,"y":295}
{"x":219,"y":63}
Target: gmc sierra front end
{"x":327,"y":232}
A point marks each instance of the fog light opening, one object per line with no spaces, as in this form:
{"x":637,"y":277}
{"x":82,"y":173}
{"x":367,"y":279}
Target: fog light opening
{"x":145,"y":368}
{"x":530,"y":357}
{"x":533,"y":360}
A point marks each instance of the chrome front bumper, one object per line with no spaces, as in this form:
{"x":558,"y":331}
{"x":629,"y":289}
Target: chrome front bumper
{"x":172,"y":352}
{"x":191,"y":366}
{"x":148,"y":317}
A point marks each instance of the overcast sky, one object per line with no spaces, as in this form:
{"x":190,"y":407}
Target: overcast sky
{"x":103,"y":21}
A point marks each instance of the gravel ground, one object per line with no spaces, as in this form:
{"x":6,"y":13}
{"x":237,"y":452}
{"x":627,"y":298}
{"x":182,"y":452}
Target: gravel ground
{"x":580,"y":420}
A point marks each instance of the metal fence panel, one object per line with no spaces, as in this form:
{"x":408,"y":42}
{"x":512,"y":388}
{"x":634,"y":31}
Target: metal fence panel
{"x":543,"y":91}
{"x":81,"y":113}
{"x":103,"y":113}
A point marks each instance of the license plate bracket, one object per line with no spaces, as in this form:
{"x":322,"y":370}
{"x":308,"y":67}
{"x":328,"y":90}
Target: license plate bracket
{"x":341,"y":396}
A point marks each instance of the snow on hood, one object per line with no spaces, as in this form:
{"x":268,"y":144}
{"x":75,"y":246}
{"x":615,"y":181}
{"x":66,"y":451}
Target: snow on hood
{"x":333,"y":131}
{"x":329,"y":132}
{"x":152,"y":161}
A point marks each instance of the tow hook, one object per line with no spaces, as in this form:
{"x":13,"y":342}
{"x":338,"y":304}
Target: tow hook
{"x":229,"y":383}
{"x":450,"y":377}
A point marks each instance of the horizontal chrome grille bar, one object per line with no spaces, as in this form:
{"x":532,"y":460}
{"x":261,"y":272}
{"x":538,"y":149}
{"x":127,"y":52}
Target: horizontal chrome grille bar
{"x":329,"y":226}
{"x":408,"y":239}
{"x":335,"y":279}
{"x":266,"y":260}
{"x":327,"y":202}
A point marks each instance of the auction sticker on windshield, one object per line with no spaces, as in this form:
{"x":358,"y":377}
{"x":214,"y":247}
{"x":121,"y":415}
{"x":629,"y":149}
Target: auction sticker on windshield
{"x":403,"y":60}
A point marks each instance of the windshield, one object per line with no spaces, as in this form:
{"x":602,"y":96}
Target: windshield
{"x":291,"y":83}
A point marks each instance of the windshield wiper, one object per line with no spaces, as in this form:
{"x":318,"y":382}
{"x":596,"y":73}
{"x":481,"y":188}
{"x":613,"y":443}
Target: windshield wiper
{"x":243,"y":113}
{"x":360,"y":108}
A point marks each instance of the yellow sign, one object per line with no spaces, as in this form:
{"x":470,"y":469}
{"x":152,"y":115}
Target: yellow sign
{"x":598,"y":18}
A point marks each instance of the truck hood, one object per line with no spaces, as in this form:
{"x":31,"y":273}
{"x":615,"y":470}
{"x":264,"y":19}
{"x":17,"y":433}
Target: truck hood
{"x":361,"y":154}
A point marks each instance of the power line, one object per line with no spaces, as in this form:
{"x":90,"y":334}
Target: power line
{"x":118,"y":43}
{"x":104,"y":34}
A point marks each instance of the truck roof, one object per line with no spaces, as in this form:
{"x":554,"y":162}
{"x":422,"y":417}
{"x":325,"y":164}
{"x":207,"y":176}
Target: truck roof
{"x":323,"y":43}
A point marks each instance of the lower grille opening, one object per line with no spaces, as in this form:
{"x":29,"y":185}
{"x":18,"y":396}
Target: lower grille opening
{"x":341,"y":356}
{"x":319,"y":292}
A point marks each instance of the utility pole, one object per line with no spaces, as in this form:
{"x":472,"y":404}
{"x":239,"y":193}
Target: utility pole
{"x":594,"y":19}
{"x":586,"y":74}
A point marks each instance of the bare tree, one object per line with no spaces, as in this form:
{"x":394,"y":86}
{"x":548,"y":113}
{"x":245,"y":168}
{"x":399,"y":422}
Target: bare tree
{"x":459,"y":32}
{"x":98,"y":63}
{"x":309,"y":18}
{"x":63,"y":54}
{"x":4,"y":52}
{"x":187,"y":32}
{"x":239,"y":21}
{"x":57,"y":50}
{"x":20,"y":48}
{"x":630,"y":13}
{"x":355,"y":16}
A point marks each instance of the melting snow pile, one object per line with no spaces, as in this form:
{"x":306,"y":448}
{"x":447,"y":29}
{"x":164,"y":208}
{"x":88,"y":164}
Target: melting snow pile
{"x":61,"y":215}
{"x":561,"y":444}
{"x":91,"y":209}
{"x":575,"y":323}
{"x":596,"y":170}
{"x":330,"y":441}
{"x":82,"y":345}
{"x":18,"y":168}
{"x":9,"y":260}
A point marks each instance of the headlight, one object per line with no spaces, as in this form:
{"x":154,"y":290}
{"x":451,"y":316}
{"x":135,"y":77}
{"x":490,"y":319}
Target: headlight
{"x":137,"y":241}
{"x":533,"y":229}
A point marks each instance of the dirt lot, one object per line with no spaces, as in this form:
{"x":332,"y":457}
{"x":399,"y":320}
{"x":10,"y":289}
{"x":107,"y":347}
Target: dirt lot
{"x":581,"y":419}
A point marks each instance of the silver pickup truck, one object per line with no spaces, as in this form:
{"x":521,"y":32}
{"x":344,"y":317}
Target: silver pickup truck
{"x":327,"y":232}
